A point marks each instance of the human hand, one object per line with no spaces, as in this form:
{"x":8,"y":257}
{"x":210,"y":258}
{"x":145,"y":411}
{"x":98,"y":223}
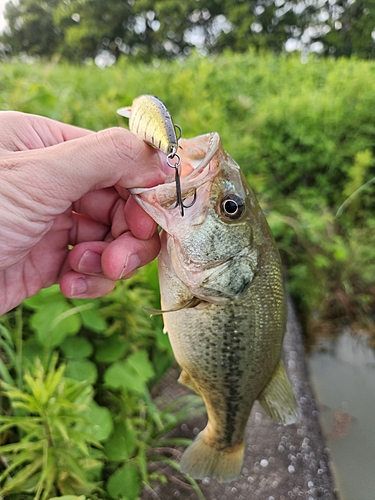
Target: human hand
{"x":65,"y":213}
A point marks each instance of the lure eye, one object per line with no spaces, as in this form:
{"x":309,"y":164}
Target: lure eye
{"x":232,"y":206}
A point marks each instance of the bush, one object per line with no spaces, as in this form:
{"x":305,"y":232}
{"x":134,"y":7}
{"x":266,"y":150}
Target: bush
{"x":77,"y":415}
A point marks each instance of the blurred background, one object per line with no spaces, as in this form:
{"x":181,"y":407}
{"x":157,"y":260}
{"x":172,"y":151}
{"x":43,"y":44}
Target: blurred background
{"x":290,"y":87}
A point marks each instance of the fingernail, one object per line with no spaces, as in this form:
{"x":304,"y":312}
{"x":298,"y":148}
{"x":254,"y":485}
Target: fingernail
{"x":90,"y":263}
{"x":131,"y":265}
{"x":79,"y":286}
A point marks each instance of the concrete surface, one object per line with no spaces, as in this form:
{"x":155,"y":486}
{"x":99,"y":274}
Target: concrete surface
{"x":281,"y":463}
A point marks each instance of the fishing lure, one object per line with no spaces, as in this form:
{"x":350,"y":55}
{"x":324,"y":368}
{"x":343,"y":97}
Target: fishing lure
{"x":150,"y":120}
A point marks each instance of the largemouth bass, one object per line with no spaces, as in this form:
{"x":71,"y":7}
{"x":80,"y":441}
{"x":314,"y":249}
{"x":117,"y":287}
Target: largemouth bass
{"x":223,"y":303}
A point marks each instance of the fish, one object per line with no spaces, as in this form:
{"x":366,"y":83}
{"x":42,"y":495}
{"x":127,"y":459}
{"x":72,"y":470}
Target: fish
{"x":150,"y":120}
{"x":223,"y":303}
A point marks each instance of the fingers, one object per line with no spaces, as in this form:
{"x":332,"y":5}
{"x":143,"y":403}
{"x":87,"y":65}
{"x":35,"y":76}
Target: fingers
{"x":48,"y":167}
{"x":81,"y":286}
{"x":86,"y":229}
{"x":103,"y":213}
{"x":98,"y":215}
{"x":101,"y":205}
{"x":140,"y":224}
{"x":115,"y":260}
{"x":97,"y":265}
{"x":21,"y":131}
{"x":107,"y":158}
{"x":126,"y":254}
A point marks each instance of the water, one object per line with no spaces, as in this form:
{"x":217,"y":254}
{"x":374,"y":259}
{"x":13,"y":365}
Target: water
{"x":343,"y":376}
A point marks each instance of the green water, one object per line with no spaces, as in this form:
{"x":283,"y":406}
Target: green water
{"x":343,"y":376}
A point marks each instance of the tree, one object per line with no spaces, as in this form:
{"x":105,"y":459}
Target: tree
{"x":31,"y":27}
{"x":77,"y":29}
{"x":90,"y":26}
{"x":352,"y":29}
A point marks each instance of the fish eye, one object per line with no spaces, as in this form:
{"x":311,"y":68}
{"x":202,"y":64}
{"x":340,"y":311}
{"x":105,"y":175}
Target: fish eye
{"x":232,"y":206}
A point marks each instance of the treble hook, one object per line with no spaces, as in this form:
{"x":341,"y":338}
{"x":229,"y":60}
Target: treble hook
{"x":179,"y":131}
{"x":180,"y":202}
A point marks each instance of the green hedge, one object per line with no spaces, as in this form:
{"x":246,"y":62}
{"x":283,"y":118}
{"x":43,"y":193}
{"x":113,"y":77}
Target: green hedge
{"x":291,"y":126}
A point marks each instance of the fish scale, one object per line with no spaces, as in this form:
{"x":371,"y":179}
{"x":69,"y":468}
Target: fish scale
{"x":223,"y":305}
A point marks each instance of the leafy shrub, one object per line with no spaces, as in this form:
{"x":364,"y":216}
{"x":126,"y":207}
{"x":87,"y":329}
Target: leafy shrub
{"x":77,"y":415}
{"x":53,"y":452}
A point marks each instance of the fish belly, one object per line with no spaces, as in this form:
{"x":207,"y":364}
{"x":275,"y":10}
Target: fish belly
{"x":226,"y":361}
{"x":228,"y":353}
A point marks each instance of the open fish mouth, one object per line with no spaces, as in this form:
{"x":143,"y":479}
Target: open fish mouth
{"x":197,"y":168}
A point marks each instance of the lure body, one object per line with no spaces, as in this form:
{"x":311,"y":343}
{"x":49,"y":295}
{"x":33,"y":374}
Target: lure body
{"x":150,"y":120}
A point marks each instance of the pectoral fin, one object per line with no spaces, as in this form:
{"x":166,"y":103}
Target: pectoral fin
{"x":190,"y":303}
{"x":277,"y":399}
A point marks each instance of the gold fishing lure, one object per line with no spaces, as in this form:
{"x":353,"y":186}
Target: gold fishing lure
{"x":150,"y":120}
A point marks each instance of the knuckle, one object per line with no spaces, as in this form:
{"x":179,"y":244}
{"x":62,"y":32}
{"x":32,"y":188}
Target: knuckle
{"x":9,"y":115}
{"x":8,"y":162}
{"x":125,"y":144}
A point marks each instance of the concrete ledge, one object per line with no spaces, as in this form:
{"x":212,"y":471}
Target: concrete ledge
{"x":281,"y":463}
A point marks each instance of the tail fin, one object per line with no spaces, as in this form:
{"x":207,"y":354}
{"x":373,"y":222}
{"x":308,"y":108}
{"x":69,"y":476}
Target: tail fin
{"x":201,"y":460}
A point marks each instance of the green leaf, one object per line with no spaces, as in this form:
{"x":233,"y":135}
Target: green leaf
{"x":322,"y":261}
{"x":54,"y":322}
{"x":16,"y":483}
{"x":140,"y":363}
{"x":82,"y":370}
{"x":162,"y":362}
{"x":111,"y":350}
{"x":31,"y":349}
{"x":121,"y":375}
{"x":4,"y":332}
{"x":91,"y":314}
{"x":162,"y":340}
{"x":69,"y":497}
{"x":93,"y":320}
{"x":44,"y":297}
{"x":101,"y":420}
{"x":340,"y":254}
{"x":76,"y":347}
{"x":125,"y":483}
{"x":121,"y":444}
{"x":4,"y":373}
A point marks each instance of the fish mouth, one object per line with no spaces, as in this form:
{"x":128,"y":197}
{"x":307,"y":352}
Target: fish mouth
{"x":199,"y":165}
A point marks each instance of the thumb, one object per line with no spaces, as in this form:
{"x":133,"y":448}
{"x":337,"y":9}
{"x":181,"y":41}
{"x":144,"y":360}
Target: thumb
{"x":111,"y":157}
